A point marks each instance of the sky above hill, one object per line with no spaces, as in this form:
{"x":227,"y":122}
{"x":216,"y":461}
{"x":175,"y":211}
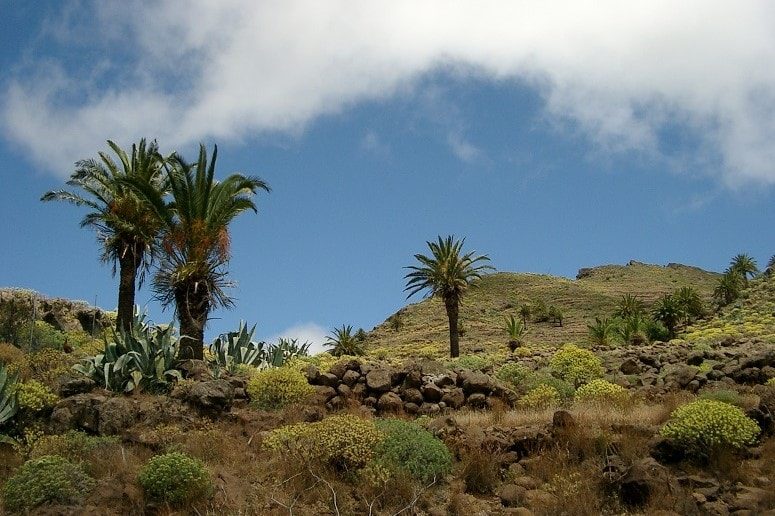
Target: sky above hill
{"x":552,"y":135}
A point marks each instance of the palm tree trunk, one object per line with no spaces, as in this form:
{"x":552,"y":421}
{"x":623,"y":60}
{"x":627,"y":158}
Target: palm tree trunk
{"x":452,"y":307}
{"x":129,"y":263}
{"x":193,"y":308}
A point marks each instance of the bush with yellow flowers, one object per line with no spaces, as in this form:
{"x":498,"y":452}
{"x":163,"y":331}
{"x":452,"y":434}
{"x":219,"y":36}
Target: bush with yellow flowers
{"x":175,"y":478}
{"x":345,"y":442}
{"x":706,"y":425}
{"x":276,"y":387}
{"x":33,"y":396}
{"x":540,"y":397}
{"x":576,"y":365}
{"x":602,"y":391}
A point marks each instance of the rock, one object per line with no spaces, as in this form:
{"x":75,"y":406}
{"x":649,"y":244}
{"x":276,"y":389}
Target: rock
{"x":411,"y":408}
{"x":695,"y":358}
{"x":312,"y":373}
{"x":390,"y":402}
{"x":413,"y":380}
{"x":715,"y":508}
{"x":431,"y":392}
{"x":681,"y":375}
{"x":443,"y":381}
{"x":378,"y":380}
{"x":329,"y":380}
{"x":323,"y":393}
{"x":540,"y":499}
{"x":312,"y":414}
{"x":641,"y":481}
{"x":72,"y":386}
{"x":454,"y":398}
{"x":79,"y":412}
{"x":527,"y":482}
{"x":350,"y":377}
{"x":211,"y":398}
{"x":630,"y":366}
{"x":476,"y":382}
{"x":429,"y":409}
{"x":511,"y":495}
{"x":413,"y":396}
{"x":116,"y":414}
{"x":477,"y":400}
{"x":341,"y":367}
{"x":359,"y":389}
{"x":520,"y":511}
{"x":196,"y":370}
{"x":370,"y":401}
{"x":750,"y":499}
{"x":335,"y":403}
{"x":344,"y":390}
{"x":665,"y":451}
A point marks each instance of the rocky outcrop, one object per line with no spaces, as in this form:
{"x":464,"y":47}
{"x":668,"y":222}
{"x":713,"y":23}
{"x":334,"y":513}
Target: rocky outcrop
{"x":63,"y":314}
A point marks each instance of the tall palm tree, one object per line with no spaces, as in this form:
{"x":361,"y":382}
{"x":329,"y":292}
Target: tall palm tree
{"x":126,"y":230}
{"x":195,"y":241}
{"x":446,"y":274}
{"x":744,"y":265}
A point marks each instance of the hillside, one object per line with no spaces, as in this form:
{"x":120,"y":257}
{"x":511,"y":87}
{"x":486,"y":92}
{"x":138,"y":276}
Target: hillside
{"x":595,"y":292}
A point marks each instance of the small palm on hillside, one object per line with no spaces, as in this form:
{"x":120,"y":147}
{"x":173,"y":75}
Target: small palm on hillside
{"x":516,"y":331}
{"x":342,"y":341}
{"x":669,"y":312}
{"x":448,"y":274}
{"x":602,"y":331}
{"x":690,"y":303}
{"x":629,"y":306}
{"x":728,"y":288}
{"x":745,"y":266}
{"x":126,"y":229}
{"x":771,"y":265}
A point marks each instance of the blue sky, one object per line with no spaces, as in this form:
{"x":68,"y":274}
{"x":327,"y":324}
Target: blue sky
{"x":609,"y":132}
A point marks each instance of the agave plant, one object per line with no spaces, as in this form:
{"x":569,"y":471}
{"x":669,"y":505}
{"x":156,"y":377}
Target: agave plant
{"x":143,"y":356}
{"x":8,"y":405}
{"x":236,"y":348}
{"x":285,"y":350}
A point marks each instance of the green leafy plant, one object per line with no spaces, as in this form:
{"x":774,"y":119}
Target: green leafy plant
{"x":725,"y":395}
{"x":540,"y":311}
{"x":669,"y":312}
{"x":690,"y":303}
{"x":343,"y":342}
{"x":629,"y":306}
{"x":576,"y":365}
{"x":705,"y":426}
{"x":410,"y":448}
{"x":602,"y":331}
{"x":286,"y":350}
{"x":540,"y":397}
{"x":524,"y":313}
{"x":8,"y":400}
{"x":233,"y":349}
{"x":345,"y":442}
{"x":275,"y":388}
{"x":512,"y":373}
{"x":601,"y":391}
{"x":33,"y":396}
{"x":47,"y":479}
{"x":515,"y":329}
{"x":656,"y":331}
{"x":143,"y":356}
{"x":633,"y":329}
{"x":176,"y":478}
{"x":728,"y":288}
{"x":555,"y":315}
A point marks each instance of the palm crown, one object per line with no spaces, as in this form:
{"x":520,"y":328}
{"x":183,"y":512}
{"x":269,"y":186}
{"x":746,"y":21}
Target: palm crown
{"x":125,"y":228}
{"x":744,"y":265}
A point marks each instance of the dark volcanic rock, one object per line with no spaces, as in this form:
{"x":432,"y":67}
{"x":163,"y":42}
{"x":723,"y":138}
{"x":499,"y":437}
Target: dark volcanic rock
{"x":378,"y":380}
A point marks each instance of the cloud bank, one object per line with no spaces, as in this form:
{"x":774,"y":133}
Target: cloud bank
{"x":621,"y":73}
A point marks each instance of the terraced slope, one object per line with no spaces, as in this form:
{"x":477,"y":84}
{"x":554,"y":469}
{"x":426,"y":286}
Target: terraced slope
{"x":422,"y":327}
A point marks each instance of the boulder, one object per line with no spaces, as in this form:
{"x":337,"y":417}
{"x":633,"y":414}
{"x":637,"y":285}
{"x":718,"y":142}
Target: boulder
{"x":511,"y":495}
{"x":116,"y":414}
{"x":196,"y":370}
{"x":411,"y":408}
{"x":413,"y":380}
{"x":429,"y":409}
{"x":378,"y":380}
{"x":341,"y":367}
{"x":344,"y":390}
{"x":475,"y":382}
{"x":477,"y":400}
{"x":72,"y":386}
{"x":540,"y":499}
{"x":431,"y":392}
{"x":350,"y":377}
{"x":454,"y":398}
{"x":630,"y":366}
{"x":390,"y":402}
{"x":642,"y":480}
{"x":328,"y":379}
{"x":413,"y":396}
{"x":562,"y":420}
{"x":79,"y":412}
{"x":323,"y":393}
{"x":211,"y":398}
{"x":444,"y":380}
{"x":312,"y":372}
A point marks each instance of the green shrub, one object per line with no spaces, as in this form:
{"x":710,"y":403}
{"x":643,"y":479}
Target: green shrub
{"x":74,"y":446}
{"x":472,"y":362}
{"x":707,"y":425}
{"x":277,"y":387}
{"x":345,"y":442}
{"x":540,"y":397}
{"x":512,"y":373}
{"x":47,"y":479}
{"x":771,"y":382}
{"x":656,"y":331}
{"x":601,"y":391}
{"x":33,"y":396}
{"x":175,"y":478}
{"x":576,"y":365}
{"x":408,"y":447}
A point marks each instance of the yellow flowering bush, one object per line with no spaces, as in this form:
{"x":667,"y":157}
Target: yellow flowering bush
{"x":576,"y":365}
{"x":33,"y":396}
{"x":540,"y":397}
{"x":345,"y":441}
{"x":277,"y":387}
{"x":601,"y":391}
{"x":704,"y":425}
{"x":175,"y":478}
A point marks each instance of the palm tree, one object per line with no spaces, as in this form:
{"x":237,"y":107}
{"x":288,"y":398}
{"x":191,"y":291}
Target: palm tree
{"x":524,"y":312}
{"x":728,"y":288}
{"x":770,"y":266}
{"x":446,"y":274}
{"x":690,"y":303}
{"x":515,"y":328}
{"x":602,"y":331}
{"x":668,"y":311}
{"x":744,"y":266}
{"x":629,"y":306}
{"x":195,"y":241}
{"x":126,"y":230}
{"x":342,"y":341}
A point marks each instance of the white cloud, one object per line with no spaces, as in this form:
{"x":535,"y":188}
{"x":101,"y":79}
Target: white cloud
{"x":618,"y":71}
{"x":372,"y":142}
{"x":304,"y":332}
